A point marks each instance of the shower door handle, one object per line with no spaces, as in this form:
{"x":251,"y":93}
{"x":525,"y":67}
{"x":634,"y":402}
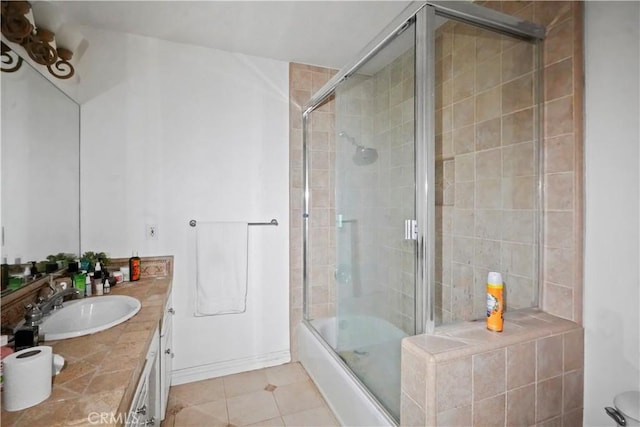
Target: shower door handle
{"x":410,"y":229}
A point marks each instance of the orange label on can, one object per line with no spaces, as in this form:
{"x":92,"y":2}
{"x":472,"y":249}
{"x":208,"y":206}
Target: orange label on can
{"x":495,"y":308}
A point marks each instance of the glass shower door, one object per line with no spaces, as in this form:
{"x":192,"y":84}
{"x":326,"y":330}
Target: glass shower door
{"x":374,"y":204}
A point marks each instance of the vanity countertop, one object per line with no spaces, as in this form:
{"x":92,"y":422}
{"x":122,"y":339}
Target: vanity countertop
{"x":101,"y":370}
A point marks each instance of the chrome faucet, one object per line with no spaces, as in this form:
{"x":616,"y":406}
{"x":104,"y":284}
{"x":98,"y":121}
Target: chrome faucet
{"x":54,"y":300}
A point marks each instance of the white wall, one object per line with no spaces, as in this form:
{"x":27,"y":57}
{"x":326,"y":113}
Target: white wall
{"x":612,"y":255}
{"x":177,"y":132}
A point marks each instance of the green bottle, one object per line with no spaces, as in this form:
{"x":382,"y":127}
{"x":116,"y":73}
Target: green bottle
{"x":79,"y":282}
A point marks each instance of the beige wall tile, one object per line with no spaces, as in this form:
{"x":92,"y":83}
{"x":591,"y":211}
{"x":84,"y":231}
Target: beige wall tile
{"x":465,"y":195}
{"x":488,"y":134}
{"x":489,"y":164}
{"x":572,"y":390}
{"x":558,"y":300}
{"x":488,"y":224}
{"x":490,"y":412}
{"x":518,"y":160}
{"x":559,"y":192}
{"x":559,"y":42}
{"x":518,"y":226}
{"x":517,"y":94}
{"x":414,"y":372}
{"x":517,"y":127}
{"x":558,"y":117}
{"x":559,"y":154}
{"x":489,"y":374}
{"x":489,"y":194}
{"x":464,"y":85}
{"x":488,"y":104}
{"x":465,"y":168}
{"x":552,"y":13}
{"x":463,"y":222}
{"x":558,"y":79}
{"x":410,"y":413}
{"x":517,"y":61}
{"x":549,"y":357}
{"x":518,"y":259}
{"x":463,"y":113}
{"x":573,"y":418}
{"x":453,"y":382}
{"x":559,"y":229}
{"x":519,"y":192}
{"x":558,"y":266}
{"x":488,"y":46}
{"x":464,"y":139}
{"x":463,"y":58}
{"x":488,"y":72}
{"x":457,"y":417}
{"x":574,"y":350}
{"x":521,"y":364}
{"x":548,"y":398}
{"x":521,"y":405}
{"x":487,"y":254}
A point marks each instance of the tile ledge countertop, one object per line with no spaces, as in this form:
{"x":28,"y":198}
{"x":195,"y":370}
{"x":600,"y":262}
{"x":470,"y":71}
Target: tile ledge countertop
{"x":101,"y":370}
{"x":465,"y":338}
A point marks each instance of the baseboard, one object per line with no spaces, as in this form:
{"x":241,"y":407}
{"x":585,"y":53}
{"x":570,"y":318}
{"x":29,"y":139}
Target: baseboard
{"x":228,"y":367}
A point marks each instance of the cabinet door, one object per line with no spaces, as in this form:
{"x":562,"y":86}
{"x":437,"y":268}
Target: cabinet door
{"x":138,"y":412}
{"x":166,"y":355}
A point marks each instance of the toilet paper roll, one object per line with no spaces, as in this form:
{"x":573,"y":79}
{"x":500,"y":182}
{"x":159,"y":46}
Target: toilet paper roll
{"x":27,"y":378}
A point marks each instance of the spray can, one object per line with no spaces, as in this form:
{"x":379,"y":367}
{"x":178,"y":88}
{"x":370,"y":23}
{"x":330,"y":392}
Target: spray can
{"x":495,"y":302}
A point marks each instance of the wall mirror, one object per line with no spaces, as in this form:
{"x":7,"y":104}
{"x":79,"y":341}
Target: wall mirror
{"x":40,"y":192}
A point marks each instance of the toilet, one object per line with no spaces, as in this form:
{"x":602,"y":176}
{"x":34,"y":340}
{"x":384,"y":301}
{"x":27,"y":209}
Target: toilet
{"x":627,"y":409}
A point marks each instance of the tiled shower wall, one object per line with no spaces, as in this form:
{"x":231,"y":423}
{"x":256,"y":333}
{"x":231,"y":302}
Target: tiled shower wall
{"x":304,"y":81}
{"x":486,"y":217}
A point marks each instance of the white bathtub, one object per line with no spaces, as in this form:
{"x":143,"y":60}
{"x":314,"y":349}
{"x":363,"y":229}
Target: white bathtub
{"x":350,"y":400}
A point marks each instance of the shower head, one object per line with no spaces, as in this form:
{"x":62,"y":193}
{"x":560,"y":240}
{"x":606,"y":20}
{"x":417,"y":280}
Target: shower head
{"x":363,"y":155}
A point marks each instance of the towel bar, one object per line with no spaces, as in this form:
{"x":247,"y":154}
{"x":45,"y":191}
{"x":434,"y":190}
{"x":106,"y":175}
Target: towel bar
{"x":272,"y":222}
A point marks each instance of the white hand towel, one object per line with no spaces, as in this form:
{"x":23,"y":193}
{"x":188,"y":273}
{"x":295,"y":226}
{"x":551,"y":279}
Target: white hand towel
{"x":221,"y":262}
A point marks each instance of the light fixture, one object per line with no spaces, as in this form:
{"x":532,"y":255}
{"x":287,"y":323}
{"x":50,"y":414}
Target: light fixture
{"x":18,"y":26}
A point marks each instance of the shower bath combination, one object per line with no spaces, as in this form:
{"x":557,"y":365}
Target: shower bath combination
{"x":363,"y":155}
{"x":366,"y":283}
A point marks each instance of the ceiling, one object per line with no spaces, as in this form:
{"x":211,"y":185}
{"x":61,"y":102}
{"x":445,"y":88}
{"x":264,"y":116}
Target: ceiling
{"x":325,"y":33}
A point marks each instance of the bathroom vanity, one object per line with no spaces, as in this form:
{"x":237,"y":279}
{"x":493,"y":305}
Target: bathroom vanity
{"x":120,"y":376}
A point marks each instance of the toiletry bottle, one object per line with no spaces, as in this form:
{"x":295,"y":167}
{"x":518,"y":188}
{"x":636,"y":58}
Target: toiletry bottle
{"x":495,"y":302}
{"x":106,"y":286}
{"x":97,"y":281}
{"x":80,"y":283}
{"x":87,"y":285}
{"x":134,"y":268}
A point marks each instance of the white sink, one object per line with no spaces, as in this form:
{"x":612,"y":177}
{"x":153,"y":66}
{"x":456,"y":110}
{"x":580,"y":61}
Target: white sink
{"x":88,"y":316}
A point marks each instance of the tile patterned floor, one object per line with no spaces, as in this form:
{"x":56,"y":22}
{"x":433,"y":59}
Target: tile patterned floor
{"x":279,"y":396}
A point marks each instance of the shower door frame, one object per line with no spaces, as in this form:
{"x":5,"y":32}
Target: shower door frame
{"x":424,"y":14}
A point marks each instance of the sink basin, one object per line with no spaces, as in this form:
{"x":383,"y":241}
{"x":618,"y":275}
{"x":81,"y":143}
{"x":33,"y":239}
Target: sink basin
{"x":88,"y":316}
